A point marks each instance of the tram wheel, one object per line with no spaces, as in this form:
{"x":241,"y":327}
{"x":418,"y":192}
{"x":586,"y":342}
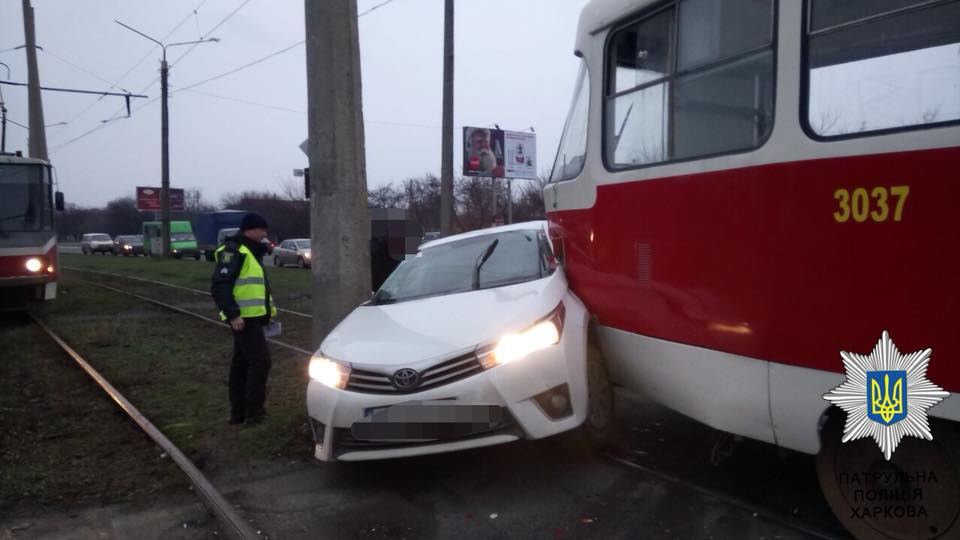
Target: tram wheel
{"x":600,"y":424}
{"x":876,"y":499}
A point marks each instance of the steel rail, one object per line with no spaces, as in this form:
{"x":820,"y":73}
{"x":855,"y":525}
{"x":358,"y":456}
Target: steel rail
{"x":190,"y":313}
{"x":171,"y":285}
{"x":233,"y":523}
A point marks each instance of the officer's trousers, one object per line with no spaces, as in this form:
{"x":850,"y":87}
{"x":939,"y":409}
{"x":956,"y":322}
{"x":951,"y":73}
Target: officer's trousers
{"x":249,"y":370}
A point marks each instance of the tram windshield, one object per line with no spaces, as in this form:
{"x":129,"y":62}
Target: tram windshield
{"x":24,"y":199}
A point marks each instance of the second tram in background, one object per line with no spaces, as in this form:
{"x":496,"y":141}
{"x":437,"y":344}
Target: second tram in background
{"x":28,"y":236}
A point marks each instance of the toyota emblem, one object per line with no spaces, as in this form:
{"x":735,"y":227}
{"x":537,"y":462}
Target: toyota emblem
{"x":406,"y":379}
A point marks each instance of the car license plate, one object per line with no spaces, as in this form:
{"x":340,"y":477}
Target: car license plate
{"x":427,"y":421}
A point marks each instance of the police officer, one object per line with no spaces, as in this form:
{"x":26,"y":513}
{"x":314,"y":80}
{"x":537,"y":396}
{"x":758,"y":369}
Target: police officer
{"x":242,"y":293}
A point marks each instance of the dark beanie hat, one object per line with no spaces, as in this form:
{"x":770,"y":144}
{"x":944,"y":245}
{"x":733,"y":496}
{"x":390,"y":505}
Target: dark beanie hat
{"x":252,"y":220}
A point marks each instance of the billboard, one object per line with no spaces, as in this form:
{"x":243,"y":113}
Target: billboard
{"x":498,"y":153}
{"x":148,"y":198}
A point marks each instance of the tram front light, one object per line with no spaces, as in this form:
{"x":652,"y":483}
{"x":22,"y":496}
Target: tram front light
{"x":33,"y":264}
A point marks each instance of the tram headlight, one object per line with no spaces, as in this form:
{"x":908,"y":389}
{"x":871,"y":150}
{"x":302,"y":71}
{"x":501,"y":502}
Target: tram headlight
{"x":33,"y":264}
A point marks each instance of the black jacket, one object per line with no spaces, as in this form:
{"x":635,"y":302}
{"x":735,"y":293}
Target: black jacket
{"x":229,"y":262}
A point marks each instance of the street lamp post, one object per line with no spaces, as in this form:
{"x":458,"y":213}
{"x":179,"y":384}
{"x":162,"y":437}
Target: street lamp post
{"x":165,"y":135}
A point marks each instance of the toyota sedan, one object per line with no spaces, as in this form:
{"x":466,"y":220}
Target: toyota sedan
{"x":476,"y":341}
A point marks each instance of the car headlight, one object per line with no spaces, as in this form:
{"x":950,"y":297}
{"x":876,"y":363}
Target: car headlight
{"x":540,"y":335}
{"x":306,"y":255}
{"x":328,"y":372}
{"x":33,"y":264}
{"x":127,"y":247}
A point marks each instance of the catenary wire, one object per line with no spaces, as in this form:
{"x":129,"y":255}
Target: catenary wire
{"x":130,"y":70}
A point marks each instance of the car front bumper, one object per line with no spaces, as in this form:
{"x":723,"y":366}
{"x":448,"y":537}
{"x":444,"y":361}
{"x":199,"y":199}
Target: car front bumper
{"x":516,"y":395}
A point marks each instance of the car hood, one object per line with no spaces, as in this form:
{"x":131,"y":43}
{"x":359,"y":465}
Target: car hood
{"x":418,"y":333}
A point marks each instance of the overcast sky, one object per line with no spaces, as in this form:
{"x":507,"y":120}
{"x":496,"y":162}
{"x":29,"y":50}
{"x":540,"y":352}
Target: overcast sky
{"x":514,"y":67}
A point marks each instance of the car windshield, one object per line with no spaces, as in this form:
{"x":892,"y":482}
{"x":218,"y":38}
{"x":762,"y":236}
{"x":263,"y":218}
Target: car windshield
{"x":519,"y":256}
{"x":182,"y":237}
{"x":23,"y":204}
{"x":303,"y":244}
{"x":100,"y":237}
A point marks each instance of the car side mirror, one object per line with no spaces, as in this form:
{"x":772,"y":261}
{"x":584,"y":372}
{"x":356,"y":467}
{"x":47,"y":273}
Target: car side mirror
{"x":58,"y":201}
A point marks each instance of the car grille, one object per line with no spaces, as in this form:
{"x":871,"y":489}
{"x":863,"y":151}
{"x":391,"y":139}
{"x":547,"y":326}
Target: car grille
{"x":455,"y":369}
{"x":345,"y":441}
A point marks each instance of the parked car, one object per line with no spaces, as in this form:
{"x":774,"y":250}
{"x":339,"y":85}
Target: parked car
{"x":295,"y":251}
{"x":128,"y":244}
{"x":96,"y":243}
{"x":475,"y":341}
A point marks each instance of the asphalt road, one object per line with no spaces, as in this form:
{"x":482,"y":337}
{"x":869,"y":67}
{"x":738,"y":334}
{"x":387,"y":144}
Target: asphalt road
{"x":659,"y":484}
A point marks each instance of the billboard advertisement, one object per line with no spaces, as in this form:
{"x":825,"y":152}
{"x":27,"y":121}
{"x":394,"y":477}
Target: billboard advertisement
{"x":498,"y":153}
{"x":148,"y":198}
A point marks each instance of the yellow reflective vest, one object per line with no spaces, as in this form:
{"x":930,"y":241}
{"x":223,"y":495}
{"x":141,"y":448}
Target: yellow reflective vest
{"x":249,"y":290}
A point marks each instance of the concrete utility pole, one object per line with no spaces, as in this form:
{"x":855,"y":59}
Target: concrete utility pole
{"x":165,"y":136}
{"x":446,"y":145}
{"x":38,"y":137}
{"x":339,"y":218}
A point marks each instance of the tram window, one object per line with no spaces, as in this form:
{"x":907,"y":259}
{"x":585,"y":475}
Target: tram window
{"x":830,"y":13}
{"x":872,"y":66}
{"x":572,"y":151}
{"x":715,"y":96}
{"x":712,"y":30}
{"x":736,"y":100}
{"x":641,"y":54}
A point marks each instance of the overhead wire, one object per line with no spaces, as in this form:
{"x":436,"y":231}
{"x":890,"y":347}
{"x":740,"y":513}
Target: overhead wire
{"x":374,"y":8}
{"x":115,"y":116}
{"x":133,"y":67}
{"x":81,"y":68}
{"x":300,"y":111}
{"x":18,"y":124}
{"x":244,"y":66}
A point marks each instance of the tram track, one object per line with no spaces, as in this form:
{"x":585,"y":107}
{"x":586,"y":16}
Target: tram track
{"x":232,"y":522}
{"x":174,"y":308}
{"x":170,"y":285}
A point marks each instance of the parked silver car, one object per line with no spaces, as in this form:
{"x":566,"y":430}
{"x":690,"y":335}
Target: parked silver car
{"x":294,"y":251}
{"x":96,"y":243}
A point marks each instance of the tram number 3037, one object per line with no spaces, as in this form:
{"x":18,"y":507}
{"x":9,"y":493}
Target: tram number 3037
{"x":870,"y":203}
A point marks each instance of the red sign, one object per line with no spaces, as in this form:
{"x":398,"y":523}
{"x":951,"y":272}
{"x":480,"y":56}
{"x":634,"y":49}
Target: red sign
{"x":148,"y":198}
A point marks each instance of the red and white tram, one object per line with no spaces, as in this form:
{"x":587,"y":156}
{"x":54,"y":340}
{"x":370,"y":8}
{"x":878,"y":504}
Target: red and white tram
{"x":745,"y":188}
{"x":28,"y":238}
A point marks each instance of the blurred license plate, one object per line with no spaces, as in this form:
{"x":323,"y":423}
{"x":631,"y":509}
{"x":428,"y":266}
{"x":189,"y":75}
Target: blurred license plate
{"x":418,"y":422}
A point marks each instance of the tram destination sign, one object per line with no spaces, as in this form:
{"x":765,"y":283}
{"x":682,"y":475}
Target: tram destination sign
{"x":148,"y":198}
{"x":499,"y":153}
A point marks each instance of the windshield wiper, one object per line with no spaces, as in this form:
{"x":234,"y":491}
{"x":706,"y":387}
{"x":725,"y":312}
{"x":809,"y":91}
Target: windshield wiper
{"x":482,"y":259}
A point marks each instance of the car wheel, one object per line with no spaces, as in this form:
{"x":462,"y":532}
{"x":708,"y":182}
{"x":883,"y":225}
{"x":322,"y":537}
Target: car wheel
{"x":276,"y":261}
{"x":600,"y":425}
{"x":196,"y":256}
{"x":83,"y":250}
{"x":300,"y":262}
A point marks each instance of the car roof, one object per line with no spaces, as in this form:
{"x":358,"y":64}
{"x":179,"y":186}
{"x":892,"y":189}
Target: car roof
{"x":525,"y":226}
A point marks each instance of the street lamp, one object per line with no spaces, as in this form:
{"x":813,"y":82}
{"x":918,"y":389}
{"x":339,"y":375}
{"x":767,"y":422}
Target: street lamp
{"x":165,"y":134}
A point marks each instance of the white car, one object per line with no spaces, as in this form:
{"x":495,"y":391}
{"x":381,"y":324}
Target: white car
{"x":476,"y":341}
